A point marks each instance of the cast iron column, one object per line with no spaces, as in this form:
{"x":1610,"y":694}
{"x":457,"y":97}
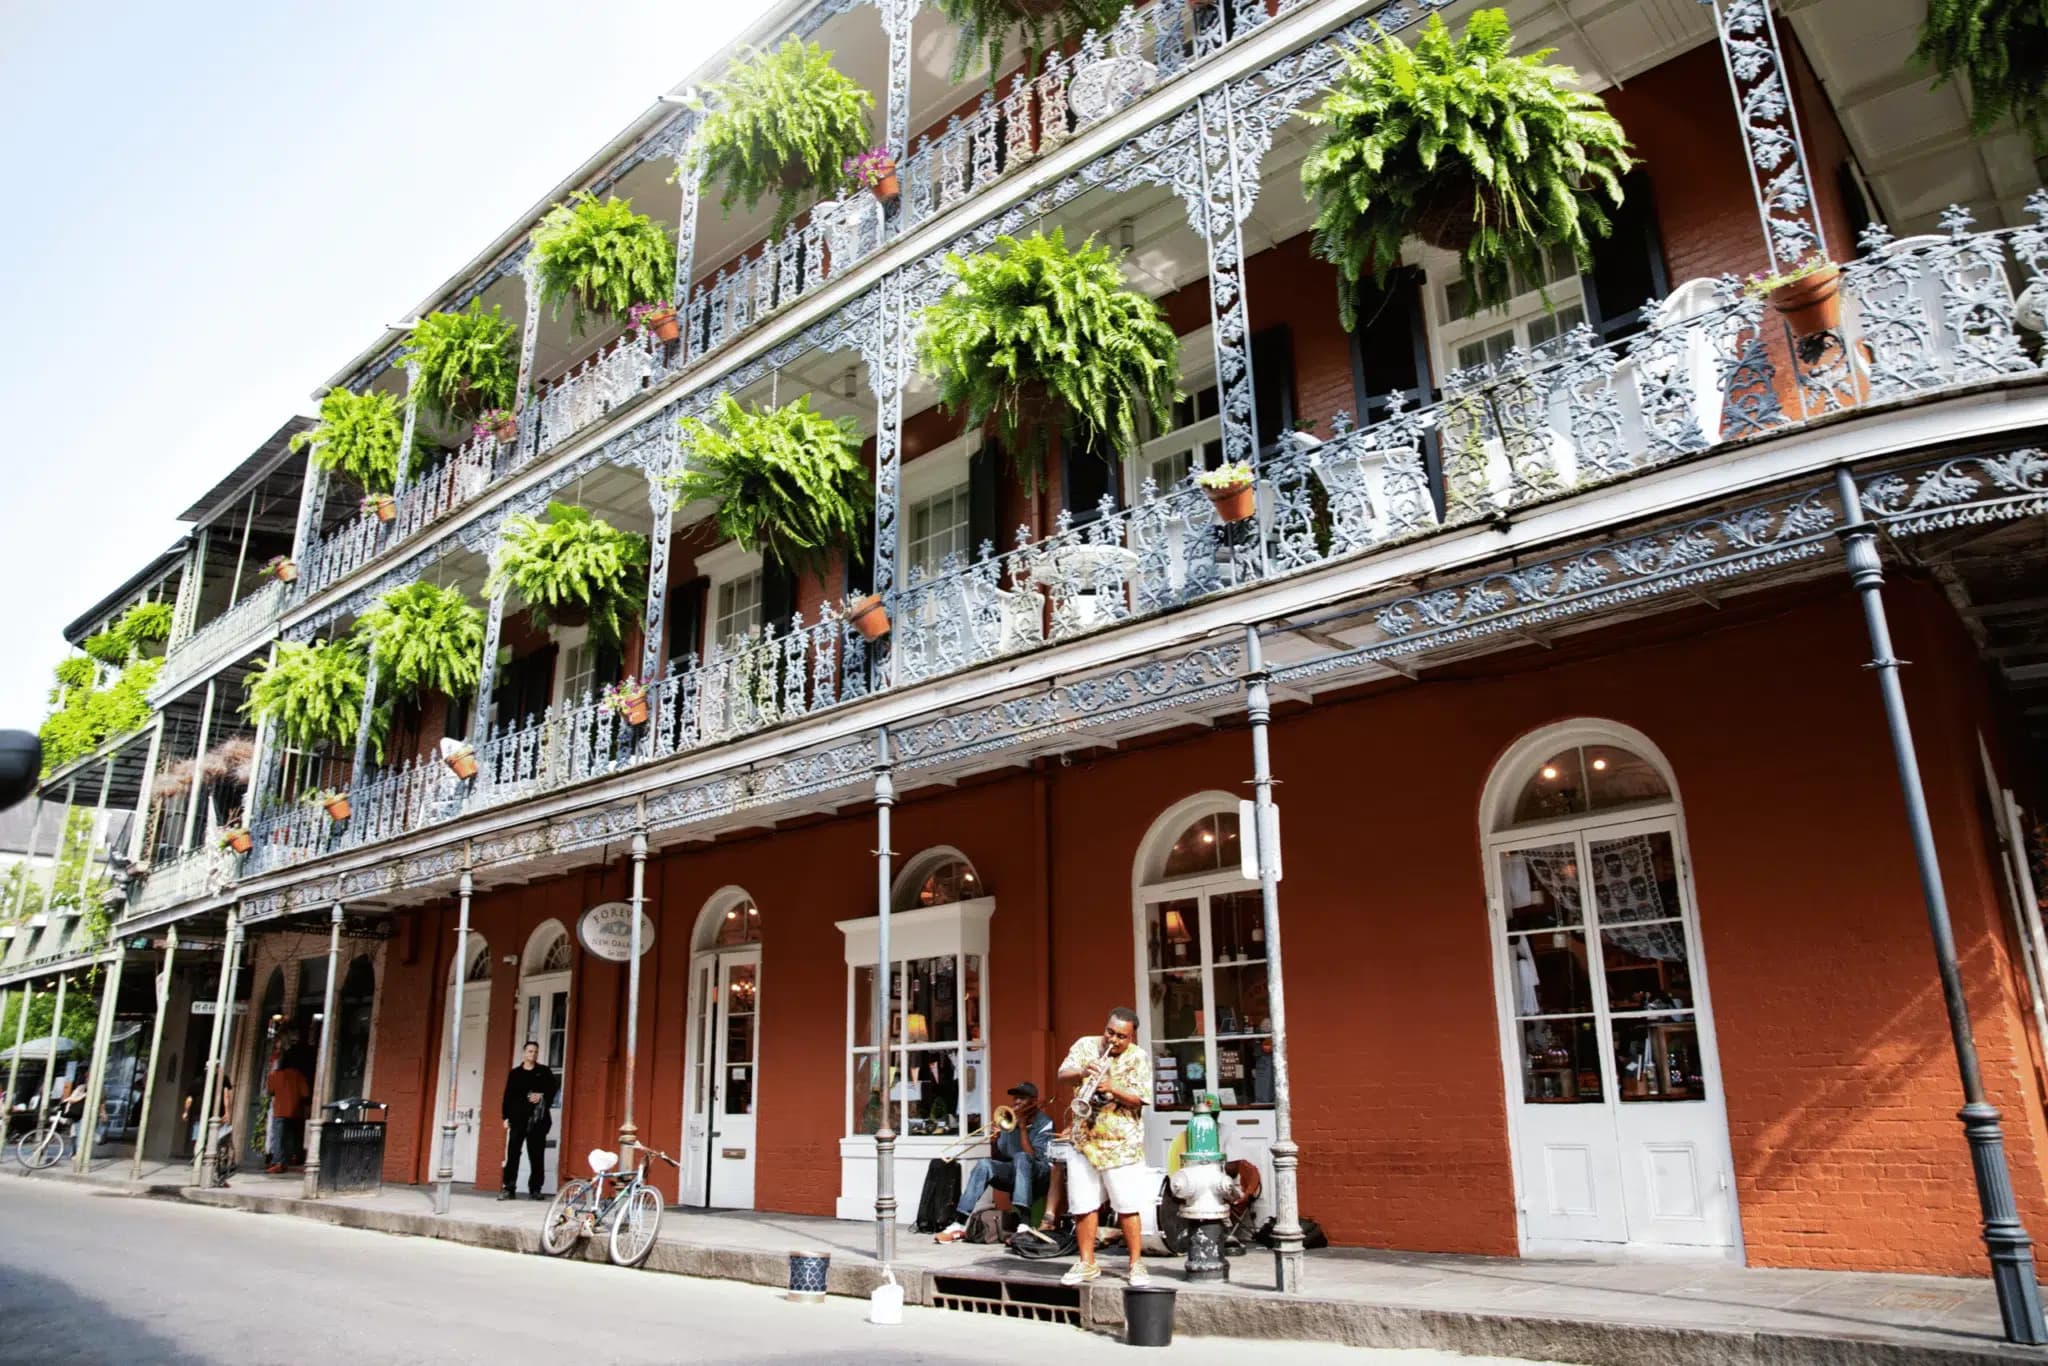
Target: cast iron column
{"x":1287,"y":1238}
{"x":96,"y":1079}
{"x":156,"y":1041}
{"x":2012,"y":1252}
{"x":203,"y":1168}
{"x":885,"y":1136}
{"x":192,"y":798}
{"x":27,"y":993}
{"x":629,"y":1133}
{"x":50,"y":1059}
{"x":323,"y":1061}
{"x":444,"y":1179}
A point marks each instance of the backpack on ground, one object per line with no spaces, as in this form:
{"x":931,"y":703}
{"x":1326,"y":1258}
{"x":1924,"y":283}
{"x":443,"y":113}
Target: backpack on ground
{"x":1034,"y":1246}
{"x":941,"y":1196}
{"x":990,"y":1225}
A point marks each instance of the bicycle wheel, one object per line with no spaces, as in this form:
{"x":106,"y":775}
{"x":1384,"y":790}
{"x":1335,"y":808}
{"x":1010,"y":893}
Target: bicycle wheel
{"x":634,"y":1226}
{"x":38,"y":1148}
{"x":563,"y":1228}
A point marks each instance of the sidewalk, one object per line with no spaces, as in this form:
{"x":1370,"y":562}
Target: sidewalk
{"x":1674,"y":1313}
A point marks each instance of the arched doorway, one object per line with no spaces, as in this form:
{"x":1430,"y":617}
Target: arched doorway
{"x":470,"y":1110}
{"x":1202,"y":996}
{"x":354,"y":1009}
{"x":544,"y":1019}
{"x":722,"y":1053}
{"x":1617,"y":1122}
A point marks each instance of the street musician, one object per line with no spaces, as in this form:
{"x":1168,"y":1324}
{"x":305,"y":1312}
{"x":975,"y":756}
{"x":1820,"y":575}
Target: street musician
{"x":1020,"y":1162}
{"x":1113,"y":1080}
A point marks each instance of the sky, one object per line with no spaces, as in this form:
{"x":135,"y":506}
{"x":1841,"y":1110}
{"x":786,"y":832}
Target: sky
{"x":212,"y":207}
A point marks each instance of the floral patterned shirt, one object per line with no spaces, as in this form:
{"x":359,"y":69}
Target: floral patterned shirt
{"x":1117,"y":1138}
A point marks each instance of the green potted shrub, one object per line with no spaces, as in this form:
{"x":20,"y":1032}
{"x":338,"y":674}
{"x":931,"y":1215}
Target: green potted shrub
{"x":1031,"y":328}
{"x":283,"y":568}
{"x":627,"y":699}
{"x":235,"y":836}
{"x":468,"y":362}
{"x":357,"y":437}
{"x":335,"y":799}
{"x":310,"y":693}
{"x":782,"y":122}
{"x":572,"y":568}
{"x":1232,"y":490}
{"x":1808,"y":296}
{"x":2000,"y":50}
{"x":424,"y":638}
{"x":1493,"y":157}
{"x":601,"y":258}
{"x":987,"y":26}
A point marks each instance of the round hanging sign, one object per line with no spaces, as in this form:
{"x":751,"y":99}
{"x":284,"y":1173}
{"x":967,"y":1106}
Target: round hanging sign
{"x":607,"y":931}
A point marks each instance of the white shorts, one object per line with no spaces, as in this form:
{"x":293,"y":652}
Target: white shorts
{"x":1132,"y":1189}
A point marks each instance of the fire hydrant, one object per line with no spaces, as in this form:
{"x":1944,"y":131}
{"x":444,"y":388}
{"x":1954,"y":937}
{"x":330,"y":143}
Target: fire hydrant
{"x":1205,"y":1192}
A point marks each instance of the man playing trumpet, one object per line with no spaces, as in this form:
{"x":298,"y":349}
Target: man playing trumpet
{"x":1113,"y":1079}
{"x":1020,"y":1162}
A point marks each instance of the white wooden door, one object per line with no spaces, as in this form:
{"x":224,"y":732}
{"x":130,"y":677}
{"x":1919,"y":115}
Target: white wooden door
{"x":544,"y":1011}
{"x":1621,"y":1135}
{"x":469,"y":1085}
{"x":698,"y":1062}
{"x":736,"y":1079}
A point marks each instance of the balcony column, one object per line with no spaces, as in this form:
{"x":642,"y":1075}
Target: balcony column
{"x":529,"y":338}
{"x":1225,"y":202}
{"x":156,"y":1043}
{"x":688,"y":186}
{"x":311,"y":497}
{"x":145,"y":809}
{"x":487,"y":673}
{"x":885,"y":353}
{"x":629,"y":1132}
{"x":897,"y":17}
{"x":323,"y":1060}
{"x":204,"y":1169}
{"x":198,"y":763}
{"x":2005,"y":1237}
{"x":96,"y":1078}
{"x":655,"y":617}
{"x":57,"y":846}
{"x":1770,"y":131}
{"x":444,"y":1176}
{"x":27,"y":864}
{"x":99,"y":818}
{"x":241,"y":554}
{"x":261,"y":762}
{"x":185,"y":607}
{"x":358,"y":767}
{"x":26,"y":995}
{"x":885,"y":1135}
{"x":405,"y":436}
{"x":50,"y":1055}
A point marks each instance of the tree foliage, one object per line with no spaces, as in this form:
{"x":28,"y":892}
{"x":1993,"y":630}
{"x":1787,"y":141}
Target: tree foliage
{"x":81,"y":1023}
{"x":1498,"y":156}
{"x":468,"y":362}
{"x":1029,"y":317}
{"x":358,"y":437}
{"x":1999,"y":48}
{"x":602,"y":258}
{"x":574,"y":563}
{"x":76,"y":881}
{"x":788,"y":481}
{"x":987,"y":27}
{"x":309,"y":692}
{"x":782,"y":122}
{"x":424,"y":637}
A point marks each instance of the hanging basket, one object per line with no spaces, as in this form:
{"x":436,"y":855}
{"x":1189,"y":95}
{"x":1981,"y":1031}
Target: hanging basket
{"x":570,"y":614}
{"x":870,"y":618}
{"x":795,"y":175}
{"x":288,"y":572}
{"x":1038,"y":9}
{"x":1236,"y":503}
{"x":662,"y":323}
{"x":1812,"y":304}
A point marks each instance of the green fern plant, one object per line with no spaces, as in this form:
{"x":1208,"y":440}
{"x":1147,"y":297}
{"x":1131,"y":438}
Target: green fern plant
{"x":357,"y":437}
{"x":1999,"y":48}
{"x":987,"y":26}
{"x":424,"y":638}
{"x":782,"y":122}
{"x":108,"y":646}
{"x":468,"y":362}
{"x":601,"y":258}
{"x":146,"y":623}
{"x":89,"y":716}
{"x":788,"y":481}
{"x":309,"y":692}
{"x":1475,"y":150}
{"x":571,"y":565}
{"x":75,"y":671}
{"x":1029,"y":325}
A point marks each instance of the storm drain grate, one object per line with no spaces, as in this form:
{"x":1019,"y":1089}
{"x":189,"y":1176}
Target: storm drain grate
{"x":1041,"y":1302}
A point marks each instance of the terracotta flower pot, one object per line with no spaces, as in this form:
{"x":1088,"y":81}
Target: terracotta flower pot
{"x":664,"y":325}
{"x":241,"y":841}
{"x":636,"y":712}
{"x":888,"y":188}
{"x":386,"y":508}
{"x":1812,"y":304}
{"x":463,"y":764}
{"x":337,"y":810}
{"x":870,"y":618}
{"x":288,"y":572}
{"x":506,"y":431}
{"x":1236,"y":503}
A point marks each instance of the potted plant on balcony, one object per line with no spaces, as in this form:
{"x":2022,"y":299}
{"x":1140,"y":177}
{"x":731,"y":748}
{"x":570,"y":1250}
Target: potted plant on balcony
{"x":424,"y":638}
{"x":659,"y":319}
{"x":310,"y":693}
{"x":500,"y":424}
{"x":467,"y":362}
{"x":382,"y":504}
{"x":986,"y":27}
{"x":875,"y":171}
{"x":145,"y":624}
{"x":601,"y":258}
{"x":357,"y":437}
{"x":1808,"y":296}
{"x":1031,"y":328}
{"x":781,"y":122}
{"x":460,"y":758}
{"x":335,"y":799}
{"x":108,"y":646}
{"x":283,"y":568}
{"x":1232,"y":490}
{"x":626,"y":698}
{"x":572,"y":568}
{"x":75,"y":671}
{"x":235,"y":837}
{"x":1493,"y":157}
{"x":788,"y":481}
{"x":2000,"y":49}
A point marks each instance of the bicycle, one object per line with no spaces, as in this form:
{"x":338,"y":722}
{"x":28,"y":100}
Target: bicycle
{"x":633,"y":1211}
{"x":42,"y":1145}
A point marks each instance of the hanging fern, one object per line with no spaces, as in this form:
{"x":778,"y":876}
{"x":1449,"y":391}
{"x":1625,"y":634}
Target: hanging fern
{"x":108,"y":646}
{"x":782,"y":122}
{"x":1030,"y":322}
{"x":987,"y":26}
{"x":788,"y":481}
{"x":570,"y":564}
{"x":424,"y":638}
{"x":146,"y":623}
{"x":1478,"y":151}
{"x":309,"y":693}
{"x":92,"y":716}
{"x":357,"y":437}
{"x":1999,"y":48}
{"x":602,"y":258}
{"x":468,"y":362}
{"x":75,"y":671}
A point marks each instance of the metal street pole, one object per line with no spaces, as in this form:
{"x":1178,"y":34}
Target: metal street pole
{"x":28,"y":996}
{"x":96,"y":1078}
{"x":885,"y":1135}
{"x":156,"y":1040}
{"x":629,"y":1134}
{"x":1287,"y":1236}
{"x":444,"y":1178}
{"x":50,"y":1062}
{"x":323,"y":1061}
{"x":203,"y":1167}
{"x":2005,"y":1237}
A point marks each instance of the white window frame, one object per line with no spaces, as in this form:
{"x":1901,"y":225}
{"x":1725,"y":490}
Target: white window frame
{"x":575,"y":657}
{"x":958,"y":931}
{"x":1448,"y":332}
{"x":946,"y":469}
{"x":725,"y":567}
{"x":1197,"y":372}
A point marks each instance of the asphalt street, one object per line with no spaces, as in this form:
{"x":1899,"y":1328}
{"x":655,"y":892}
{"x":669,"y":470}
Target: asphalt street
{"x":88,"y":1276}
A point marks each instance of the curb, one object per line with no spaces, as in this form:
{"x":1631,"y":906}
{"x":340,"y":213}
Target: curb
{"x":154,"y":1190}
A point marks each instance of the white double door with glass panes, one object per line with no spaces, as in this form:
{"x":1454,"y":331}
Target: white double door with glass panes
{"x":724,"y":1066}
{"x":1620,"y":1131}
{"x":544,"y":1018}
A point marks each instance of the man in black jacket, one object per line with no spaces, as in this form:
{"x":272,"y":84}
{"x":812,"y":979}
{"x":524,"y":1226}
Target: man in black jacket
{"x":529,"y":1098}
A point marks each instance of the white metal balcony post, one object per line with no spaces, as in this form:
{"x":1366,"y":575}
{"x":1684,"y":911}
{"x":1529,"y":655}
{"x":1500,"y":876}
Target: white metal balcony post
{"x":185,"y":608}
{"x":323,"y":1060}
{"x":156,"y":1043}
{"x":145,"y":808}
{"x":96,"y":1079}
{"x":28,"y":862}
{"x":1224,"y":208}
{"x":99,"y":820}
{"x":26,"y":994}
{"x":654,"y":618}
{"x":897,"y":18}
{"x":198,"y":770}
{"x":487,"y":673}
{"x":405,"y":440}
{"x":629,"y":1132}
{"x":261,"y":761}
{"x":885,"y":1134}
{"x":444,"y":1176}
{"x":529,"y":336}
{"x":1770,"y":131}
{"x":688,"y":186}
{"x":204,"y":1168}
{"x":242,"y":551}
{"x":887,"y":373}
{"x":50,"y":1055}
{"x":358,"y":767}
{"x":311,"y":496}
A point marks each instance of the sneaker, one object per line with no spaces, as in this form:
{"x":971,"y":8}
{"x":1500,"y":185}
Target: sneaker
{"x":1140,"y":1277}
{"x":951,"y":1233}
{"x":1080,"y":1273}
{"x":506,"y":1195}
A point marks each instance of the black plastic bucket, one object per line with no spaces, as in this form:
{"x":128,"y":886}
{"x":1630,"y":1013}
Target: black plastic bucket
{"x":1148,"y":1315}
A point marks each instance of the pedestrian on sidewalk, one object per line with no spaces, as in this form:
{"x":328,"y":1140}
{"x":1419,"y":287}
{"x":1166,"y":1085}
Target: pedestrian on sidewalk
{"x":223,"y":1109}
{"x":72,"y":1108}
{"x":289,"y":1093}
{"x":528,"y":1108}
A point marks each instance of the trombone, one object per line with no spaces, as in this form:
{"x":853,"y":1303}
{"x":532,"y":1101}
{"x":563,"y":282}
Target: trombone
{"x":1005,"y":1120}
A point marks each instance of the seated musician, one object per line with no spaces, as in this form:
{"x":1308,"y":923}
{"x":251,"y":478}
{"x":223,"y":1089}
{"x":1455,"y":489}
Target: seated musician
{"x":1021,"y":1162}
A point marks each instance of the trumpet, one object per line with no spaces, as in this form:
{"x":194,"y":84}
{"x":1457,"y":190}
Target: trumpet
{"x":1005,"y":1121}
{"x":1086,"y":1102}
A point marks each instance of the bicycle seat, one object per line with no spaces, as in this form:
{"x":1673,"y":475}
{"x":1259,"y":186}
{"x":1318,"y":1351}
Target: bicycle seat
{"x":602,"y":1161}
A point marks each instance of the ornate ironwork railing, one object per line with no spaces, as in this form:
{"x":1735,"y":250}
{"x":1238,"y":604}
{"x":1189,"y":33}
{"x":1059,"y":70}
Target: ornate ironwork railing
{"x":234,"y":629}
{"x":202,"y":872}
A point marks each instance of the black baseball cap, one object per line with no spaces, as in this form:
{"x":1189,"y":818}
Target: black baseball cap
{"x":1025,"y":1090}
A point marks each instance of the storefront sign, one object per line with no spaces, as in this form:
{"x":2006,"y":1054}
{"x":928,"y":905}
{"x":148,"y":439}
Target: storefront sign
{"x":607,"y":931}
{"x":207,"y":1008}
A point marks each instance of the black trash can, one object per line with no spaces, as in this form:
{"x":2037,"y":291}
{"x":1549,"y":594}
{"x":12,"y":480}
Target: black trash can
{"x":1148,"y":1315}
{"x":352,"y":1147}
